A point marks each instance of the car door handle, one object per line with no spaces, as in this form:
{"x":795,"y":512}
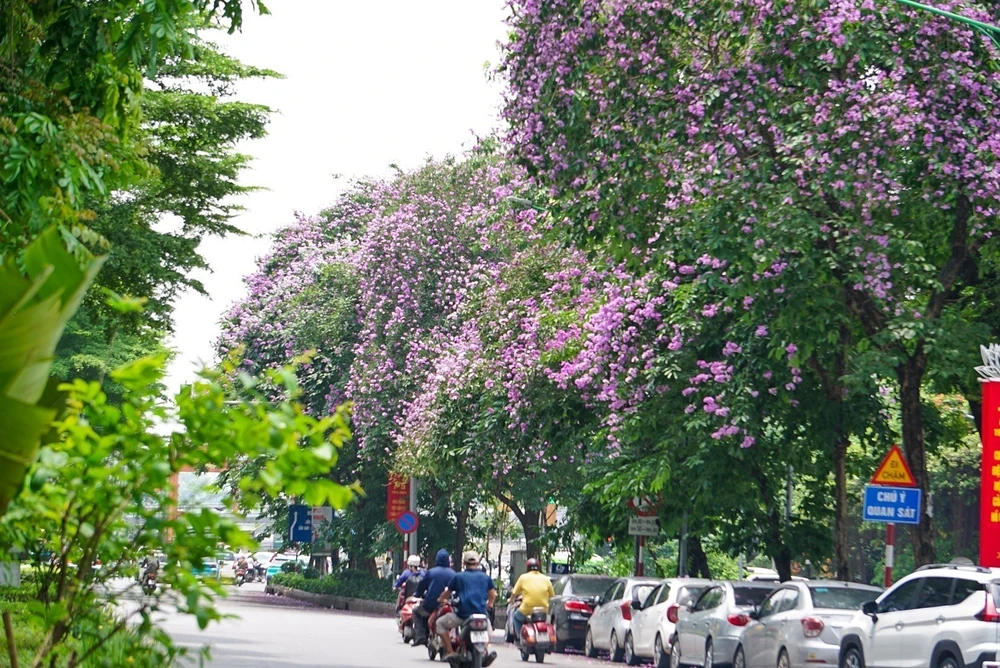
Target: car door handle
{"x":899,"y":626}
{"x":940,"y":620}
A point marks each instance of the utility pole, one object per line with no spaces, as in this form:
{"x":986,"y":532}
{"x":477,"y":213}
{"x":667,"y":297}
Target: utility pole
{"x":414,"y":541}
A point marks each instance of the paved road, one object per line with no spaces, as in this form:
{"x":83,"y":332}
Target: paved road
{"x":280,"y":633}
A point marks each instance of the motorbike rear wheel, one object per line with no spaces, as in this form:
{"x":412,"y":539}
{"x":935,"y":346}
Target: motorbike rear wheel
{"x":431,"y":652}
{"x":524,"y":654}
{"x":539,"y":657}
{"x":477,"y":660}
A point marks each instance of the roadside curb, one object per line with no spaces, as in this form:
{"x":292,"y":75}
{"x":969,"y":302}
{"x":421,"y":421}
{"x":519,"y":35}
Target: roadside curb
{"x":379,"y":608}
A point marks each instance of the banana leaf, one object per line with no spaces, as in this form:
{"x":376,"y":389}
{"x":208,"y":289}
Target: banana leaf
{"x":37,"y":299}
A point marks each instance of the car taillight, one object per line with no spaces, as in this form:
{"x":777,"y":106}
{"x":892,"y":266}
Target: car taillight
{"x":812,"y":627}
{"x":577,"y":606}
{"x":989,"y":613}
{"x":672,"y":613}
{"x":627,"y":611}
{"x":738,"y":620}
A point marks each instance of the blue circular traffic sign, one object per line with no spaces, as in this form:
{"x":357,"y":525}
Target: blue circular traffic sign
{"x":407,"y":522}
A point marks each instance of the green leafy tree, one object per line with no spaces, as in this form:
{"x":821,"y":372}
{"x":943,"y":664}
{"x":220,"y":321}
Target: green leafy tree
{"x":100,"y":493}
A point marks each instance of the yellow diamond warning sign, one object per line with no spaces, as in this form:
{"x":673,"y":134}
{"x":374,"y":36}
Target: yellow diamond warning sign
{"x":893,"y":471}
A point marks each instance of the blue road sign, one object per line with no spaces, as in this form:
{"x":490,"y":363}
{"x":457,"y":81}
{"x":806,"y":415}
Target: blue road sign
{"x":407,"y":522}
{"x":892,"y":504}
{"x":300,"y":526}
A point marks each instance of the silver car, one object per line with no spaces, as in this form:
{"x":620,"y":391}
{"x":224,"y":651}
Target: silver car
{"x":708,"y":634}
{"x":652,"y":626}
{"x":799,"y":624}
{"x":609,"y":624}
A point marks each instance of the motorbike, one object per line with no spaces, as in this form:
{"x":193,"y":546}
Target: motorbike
{"x":149,"y":583}
{"x":535,"y":640}
{"x":244,"y":575}
{"x":471,"y":641}
{"x":405,"y":620}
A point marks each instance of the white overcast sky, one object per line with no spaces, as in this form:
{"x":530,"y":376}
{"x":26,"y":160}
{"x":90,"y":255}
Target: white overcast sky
{"x":367,"y":83}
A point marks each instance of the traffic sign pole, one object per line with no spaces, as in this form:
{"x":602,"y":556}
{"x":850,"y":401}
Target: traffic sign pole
{"x":890,"y":552}
{"x":414,"y":543}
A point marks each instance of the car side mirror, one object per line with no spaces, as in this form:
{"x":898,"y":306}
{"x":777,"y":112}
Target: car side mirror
{"x":870,"y":608}
{"x":635,"y":604}
{"x":754,"y":614}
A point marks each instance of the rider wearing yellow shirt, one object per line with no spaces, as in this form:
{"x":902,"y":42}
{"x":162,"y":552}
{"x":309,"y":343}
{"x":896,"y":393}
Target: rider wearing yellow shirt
{"x":535,"y":590}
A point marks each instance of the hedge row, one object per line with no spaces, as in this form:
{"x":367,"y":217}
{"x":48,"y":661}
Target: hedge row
{"x":349,"y":584}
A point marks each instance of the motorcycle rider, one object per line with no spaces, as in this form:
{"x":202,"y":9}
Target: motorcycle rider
{"x":535,"y":590}
{"x":476,"y":594}
{"x":241,"y":566}
{"x":413,"y":571}
{"x":150,"y":566}
{"x":429,"y":589}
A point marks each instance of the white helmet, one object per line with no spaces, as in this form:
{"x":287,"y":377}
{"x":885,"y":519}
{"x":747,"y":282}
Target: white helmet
{"x":413,"y":560}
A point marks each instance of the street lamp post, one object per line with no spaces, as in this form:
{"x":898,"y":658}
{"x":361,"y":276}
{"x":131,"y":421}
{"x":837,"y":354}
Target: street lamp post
{"x":991,"y":31}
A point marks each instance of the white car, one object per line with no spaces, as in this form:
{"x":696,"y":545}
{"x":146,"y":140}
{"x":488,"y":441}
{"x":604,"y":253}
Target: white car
{"x":940,"y":616}
{"x":709,"y":633}
{"x":652,"y":626}
{"x":608,"y":626}
{"x":799,"y":624}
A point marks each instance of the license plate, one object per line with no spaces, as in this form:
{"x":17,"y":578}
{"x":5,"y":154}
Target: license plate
{"x":542,"y":638}
{"x":991,"y":664}
{"x":479,"y":637}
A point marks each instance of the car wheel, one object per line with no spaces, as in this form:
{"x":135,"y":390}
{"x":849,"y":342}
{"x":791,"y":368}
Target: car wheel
{"x":947,"y":661}
{"x":660,"y":658}
{"x":709,"y":654}
{"x":852,"y":658}
{"x":675,"y":654}
{"x":558,"y":646}
{"x":588,"y":646}
{"x":740,"y":660}
{"x":630,"y":658}
{"x":783,"y":661}
{"x":617,"y":653}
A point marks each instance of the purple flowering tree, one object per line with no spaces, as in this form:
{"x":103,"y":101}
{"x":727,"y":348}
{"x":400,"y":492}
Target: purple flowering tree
{"x":841,"y":156}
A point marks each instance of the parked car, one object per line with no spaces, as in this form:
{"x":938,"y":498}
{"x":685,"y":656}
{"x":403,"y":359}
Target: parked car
{"x":799,"y":624}
{"x":274,"y":567}
{"x":608,"y":626}
{"x":652,"y":626}
{"x":227,"y":561}
{"x":941,"y":616}
{"x":708,"y":634}
{"x":572,"y":606}
{"x":209,"y":568}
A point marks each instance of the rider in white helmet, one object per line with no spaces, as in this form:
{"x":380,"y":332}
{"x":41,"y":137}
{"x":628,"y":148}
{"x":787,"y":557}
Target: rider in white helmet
{"x":408,"y":580}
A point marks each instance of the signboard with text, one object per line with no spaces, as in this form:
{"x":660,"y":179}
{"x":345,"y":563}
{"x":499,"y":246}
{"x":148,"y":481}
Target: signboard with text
{"x":989,"y":499}
{"x":321,"y":517}
{"x":640,"y":525}
{"x":300,"y":529}
{"x":892,"y":504}
{"x":894,"y":471}
{"x":397,"y":496}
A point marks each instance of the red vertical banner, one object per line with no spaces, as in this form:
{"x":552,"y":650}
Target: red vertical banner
{"x":397,"y":497}
{"x":989,"y":500}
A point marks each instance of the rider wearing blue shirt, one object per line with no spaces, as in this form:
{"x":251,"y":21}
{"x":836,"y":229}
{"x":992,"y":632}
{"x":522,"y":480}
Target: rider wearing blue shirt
{"x":476,"y":593}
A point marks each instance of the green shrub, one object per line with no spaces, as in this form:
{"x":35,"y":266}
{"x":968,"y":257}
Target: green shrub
{"x":349,"y":584}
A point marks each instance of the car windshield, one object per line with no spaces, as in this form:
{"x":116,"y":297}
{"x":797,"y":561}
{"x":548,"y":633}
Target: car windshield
{"x":750,"y":597}
{"x":590,"y":586}
{"x":841,"y":598}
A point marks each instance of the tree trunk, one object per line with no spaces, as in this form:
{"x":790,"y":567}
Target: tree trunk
{"x":532,"y":532}
{"x":461,"y":529}
{"x":910,"y":374}
{"x":697,"y":559}
{"x":841,"y":537}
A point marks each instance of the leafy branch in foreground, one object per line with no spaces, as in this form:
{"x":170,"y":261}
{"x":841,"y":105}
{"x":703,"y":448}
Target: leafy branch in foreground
{"x":100,"y":493}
